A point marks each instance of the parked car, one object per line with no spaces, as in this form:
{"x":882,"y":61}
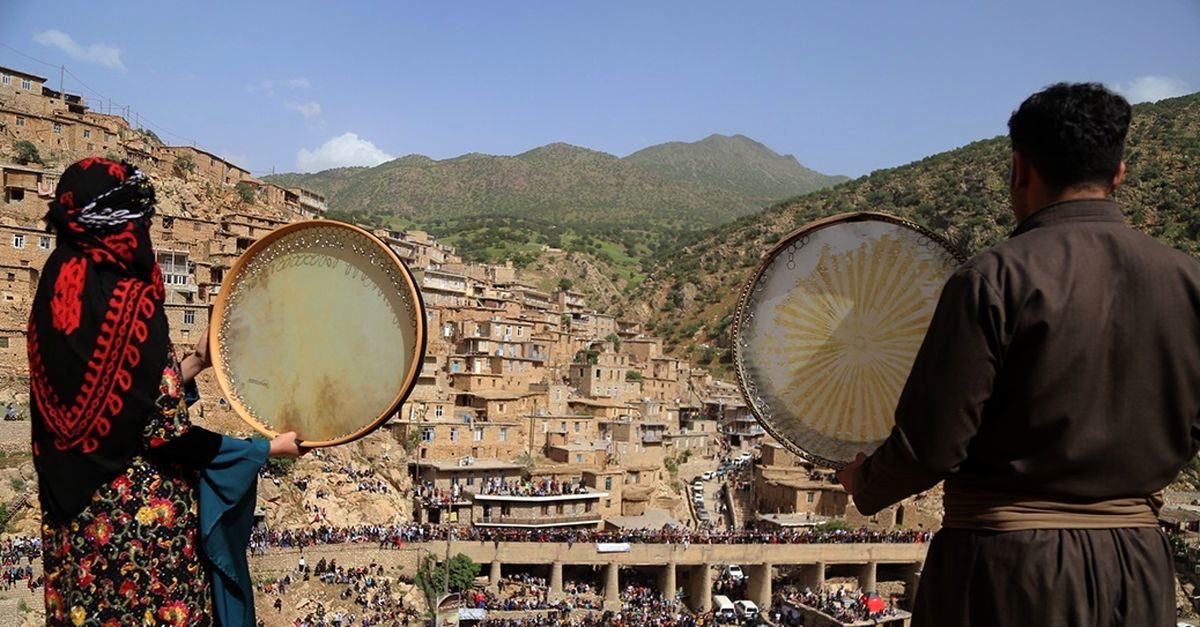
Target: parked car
{"x":707,"y":476}
{"x":733,"y":571}
{"x":747,"y":610}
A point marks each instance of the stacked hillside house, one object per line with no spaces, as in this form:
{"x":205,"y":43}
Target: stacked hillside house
{"x":531,"y":409}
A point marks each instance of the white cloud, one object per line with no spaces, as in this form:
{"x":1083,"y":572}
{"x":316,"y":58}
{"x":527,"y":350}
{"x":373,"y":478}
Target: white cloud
{"x":344,"y":150}
{"x":310,"y":109}
{"x":1152,"y":88}
{"x":269,"y":85}
{"x":101,"y":54}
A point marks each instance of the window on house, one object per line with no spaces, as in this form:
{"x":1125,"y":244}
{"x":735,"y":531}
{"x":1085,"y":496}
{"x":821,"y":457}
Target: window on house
{"x":16,"y":194}
{"x":577,"y":426}
{"x":185,"y":333}
{"x":57,"y":128}
{"x":503,"y":434}
{"x":189,"y":316}
{"x":12,"y":276}
{"x":427,"y":434}
{"x":87,"y":133}
{"x":453,"y":434}
{"x":501,"y":409}
{"x":18,"y":240}
{"x":470,"y":478}
{"x":5,"y":79}
{"x":810,"y":497}
{"x":545,"y":510}
{"x":20,"y":121}
{"x":579,"y":458}
{"x":478,"y":434}
{"x":26,"y":83}
{"x":3,"y":342}
{"x":439,"y":411}
{"x":608,"y":483}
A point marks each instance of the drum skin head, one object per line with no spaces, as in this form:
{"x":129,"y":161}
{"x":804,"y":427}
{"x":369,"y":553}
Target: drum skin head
{"x":828,"y":326}
{"x":319,"y":329}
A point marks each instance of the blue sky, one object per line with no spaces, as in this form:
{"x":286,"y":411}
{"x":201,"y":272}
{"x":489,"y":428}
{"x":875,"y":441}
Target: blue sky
{"x":847,"y":87}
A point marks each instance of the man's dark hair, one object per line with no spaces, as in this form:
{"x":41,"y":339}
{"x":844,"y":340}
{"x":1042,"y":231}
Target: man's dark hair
{"x":1072,"y":133}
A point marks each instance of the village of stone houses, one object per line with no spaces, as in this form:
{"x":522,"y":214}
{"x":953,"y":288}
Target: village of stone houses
{"x":558,"y":465}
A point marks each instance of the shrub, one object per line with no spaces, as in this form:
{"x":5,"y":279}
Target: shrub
{"x":245,"y":192}
{"x":26,"y":153}
{"x":185,"y":164}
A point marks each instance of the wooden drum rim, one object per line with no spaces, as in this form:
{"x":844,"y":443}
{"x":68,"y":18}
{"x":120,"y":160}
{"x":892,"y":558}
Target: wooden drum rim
{"x":221,"y":303}
{"x":745,"y":384}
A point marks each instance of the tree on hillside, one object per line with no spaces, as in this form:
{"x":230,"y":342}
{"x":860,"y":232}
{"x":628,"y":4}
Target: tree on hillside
{"x":245,"y":192}
{"x":184,"y":165}
{"x":26,"y":153}
{"x":431,"y":576}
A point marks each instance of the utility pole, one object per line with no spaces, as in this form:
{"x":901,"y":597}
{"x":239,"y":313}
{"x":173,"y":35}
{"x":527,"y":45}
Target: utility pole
{"x":61,"y":70}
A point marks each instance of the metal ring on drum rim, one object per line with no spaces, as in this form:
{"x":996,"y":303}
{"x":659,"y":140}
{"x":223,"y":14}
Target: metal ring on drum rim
{"x":358,"y":254}
{"x":818,"y":444}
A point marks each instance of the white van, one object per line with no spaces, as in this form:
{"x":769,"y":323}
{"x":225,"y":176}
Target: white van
{"x":723,"y":610}
{"x":746,"y":609}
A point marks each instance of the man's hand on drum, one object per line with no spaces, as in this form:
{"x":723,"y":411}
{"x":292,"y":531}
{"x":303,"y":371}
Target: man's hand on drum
{"x":287,"y":445}
{"x":851,"y":476}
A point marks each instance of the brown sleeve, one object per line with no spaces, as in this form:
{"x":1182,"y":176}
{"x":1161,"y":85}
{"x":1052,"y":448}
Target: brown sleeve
{"x":942,"y":404}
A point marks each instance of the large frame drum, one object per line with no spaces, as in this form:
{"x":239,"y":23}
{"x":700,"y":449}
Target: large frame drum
{"x":319,"y":329}
{"x":828,"y":326}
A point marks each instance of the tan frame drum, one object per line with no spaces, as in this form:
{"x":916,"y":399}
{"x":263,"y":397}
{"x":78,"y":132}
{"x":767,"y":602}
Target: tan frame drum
{"x":319,"y":328}
{"x":828,"y":325}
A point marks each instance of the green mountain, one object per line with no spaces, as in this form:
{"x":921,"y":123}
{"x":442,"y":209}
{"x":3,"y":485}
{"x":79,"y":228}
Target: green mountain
{"x":738,"y":164}
{"x":961,"y":194}
{"x":623,"y":210}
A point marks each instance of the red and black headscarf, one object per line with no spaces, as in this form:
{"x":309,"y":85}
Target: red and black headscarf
{"x":98,"y":336}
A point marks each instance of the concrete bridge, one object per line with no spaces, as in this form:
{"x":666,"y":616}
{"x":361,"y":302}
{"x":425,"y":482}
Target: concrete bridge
{"x":674,"y":565}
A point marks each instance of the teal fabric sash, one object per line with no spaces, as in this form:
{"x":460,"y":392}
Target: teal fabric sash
{"x":228,"y":489}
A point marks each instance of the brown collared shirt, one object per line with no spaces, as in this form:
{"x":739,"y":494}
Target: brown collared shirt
{"x":1062,"y":365}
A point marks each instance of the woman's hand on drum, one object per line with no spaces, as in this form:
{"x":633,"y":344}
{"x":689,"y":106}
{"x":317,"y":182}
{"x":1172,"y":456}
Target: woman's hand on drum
{"x":196,"y":362}
{"x":287,"y":445}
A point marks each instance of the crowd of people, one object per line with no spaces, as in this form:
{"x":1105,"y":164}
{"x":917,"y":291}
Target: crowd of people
{"x":543,"y":487}
{"x":430,"y":495}
{"x":847,"y":606}
{"x":16,"y":562}
{"x":372,"y":595}
{"x":641,"y":606}
{"x":399,"y":534}
{"x":525,"y":592}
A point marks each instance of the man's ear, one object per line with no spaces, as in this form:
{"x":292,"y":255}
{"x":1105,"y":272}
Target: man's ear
{"x":1022,"y":171}
{"x":1118,"y":178}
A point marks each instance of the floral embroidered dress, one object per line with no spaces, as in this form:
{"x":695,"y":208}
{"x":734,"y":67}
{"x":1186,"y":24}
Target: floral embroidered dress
{"x":116,"y":456}
{"x":131,"y":557}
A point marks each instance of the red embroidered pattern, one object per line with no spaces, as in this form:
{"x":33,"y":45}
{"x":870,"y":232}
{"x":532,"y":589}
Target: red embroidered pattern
{"x":107,"y":375}
{"x":67,"y":199}
{"x":65,"y":304}
{"x":122,"y":244}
